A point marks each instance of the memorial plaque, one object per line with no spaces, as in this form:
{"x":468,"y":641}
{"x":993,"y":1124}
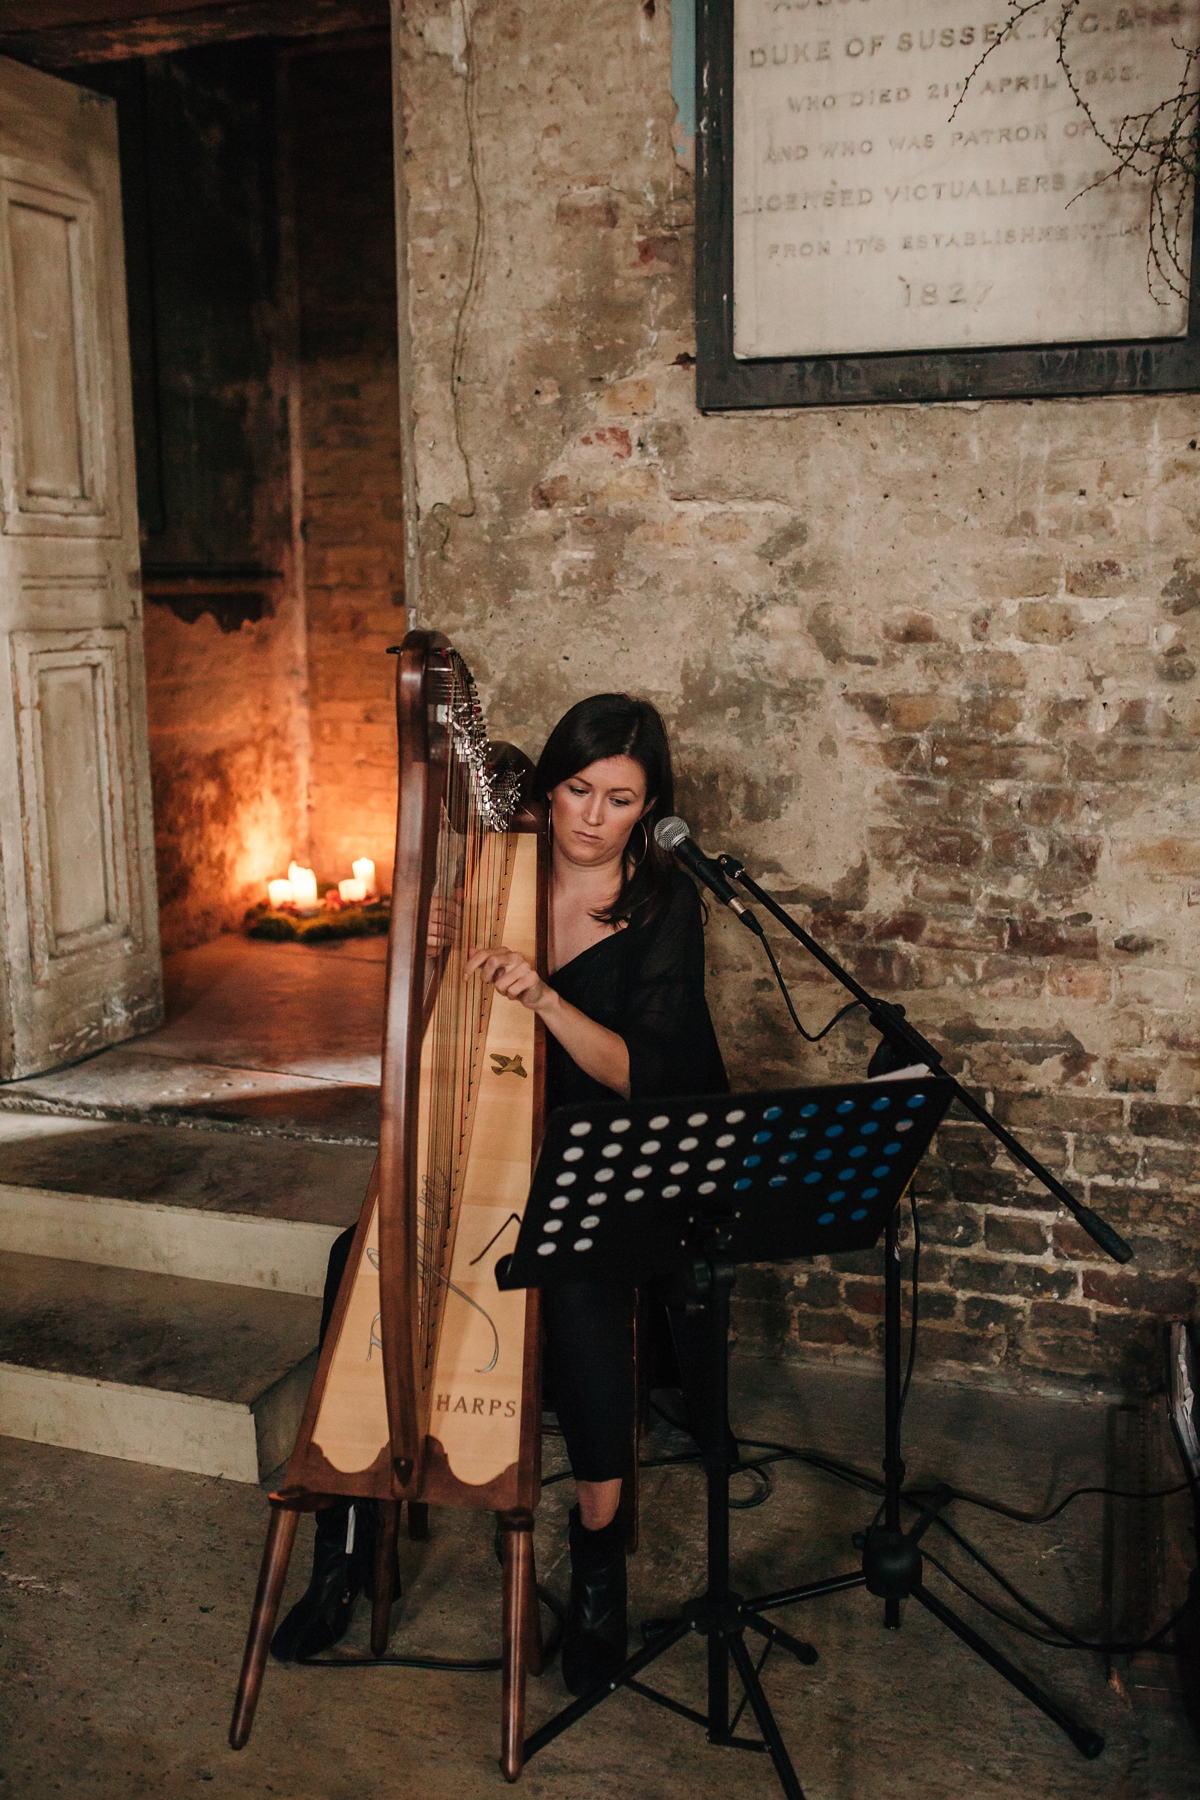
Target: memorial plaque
{"x":866,"y":219}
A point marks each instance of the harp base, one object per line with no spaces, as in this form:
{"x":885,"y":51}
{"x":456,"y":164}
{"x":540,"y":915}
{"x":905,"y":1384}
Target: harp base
{"x":522,"y":1649}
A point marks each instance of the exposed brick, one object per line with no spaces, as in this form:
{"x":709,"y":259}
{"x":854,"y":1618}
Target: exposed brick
{"x":911,"y":628}
{"x":593,"y":208}
{"x":1009,"y":977}
{"x":1148,"y":1118}
{"x":992,"y":1315}
{"x":885,"y":971}
{"x":953,"y":1225}
{"x":1095,"y":578}
{"x":1067,"y":982}
{"x":1161,"y":1255}
{"x":1102,"y":1156}
{"x":1051,"y":805}
{"x":1171,"y":1295}
{"x":997,"y":762}
{"x":832,"y":1328}
{"x":1041,"y":1279}
{"x":817,"y":1288}
{"x":1016,"y":1237}
{"x":1167,"y":856}
{"x":1072,"y":1242}
{"x":949,"y":1343}
{"x":865,"y":1296}
{"x":997,"y":670}
{"x":1070,"y":1112}
{"x":954,"y":814}
{"x":1018,"y":850}
{"x":858,"y":1262}
{"x":957,"y":849}
{"x":1051,"y":937}
{"x":983,"y":1187}
{"x":990,"y":714}
{"x":1132,"y":1074}
{"x":1058,"y":1315}
{"x":759,"y":1305}
{"x":1172,"y":1163}
{"x":1107,"y":760}
{"x":1047,"y":621}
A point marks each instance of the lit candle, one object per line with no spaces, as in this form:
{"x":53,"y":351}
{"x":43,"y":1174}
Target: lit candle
{"x":304,"y":885}
{"x":279,"y":893}
{"x":364,"y":870}
{"x":351,"y":890}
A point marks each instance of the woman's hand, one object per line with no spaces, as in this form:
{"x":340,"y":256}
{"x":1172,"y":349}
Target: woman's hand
{"x":445,"y":923}
{"x":511,"y":975}
{"x":599,"y":1052}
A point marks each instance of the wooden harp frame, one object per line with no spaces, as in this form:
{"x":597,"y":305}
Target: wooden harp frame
{"x":411,"y":1465}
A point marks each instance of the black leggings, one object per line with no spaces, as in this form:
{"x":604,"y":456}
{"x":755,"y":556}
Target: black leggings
{"x":589,"y":1365}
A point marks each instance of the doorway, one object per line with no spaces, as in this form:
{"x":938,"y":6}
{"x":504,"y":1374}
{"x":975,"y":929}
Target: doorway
{"x":257,"y":188}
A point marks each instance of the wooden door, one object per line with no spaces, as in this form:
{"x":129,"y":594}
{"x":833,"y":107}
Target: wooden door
{"x":79,"y":962}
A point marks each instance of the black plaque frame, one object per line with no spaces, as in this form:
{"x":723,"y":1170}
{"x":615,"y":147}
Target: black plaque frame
{"x":1023,"y":372}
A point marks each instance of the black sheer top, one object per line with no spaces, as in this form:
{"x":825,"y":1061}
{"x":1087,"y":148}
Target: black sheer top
{"x":646,"y":983}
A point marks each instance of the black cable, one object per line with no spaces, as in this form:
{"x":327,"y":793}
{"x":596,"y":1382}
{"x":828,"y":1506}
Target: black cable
{"x":915,"y":1285}
{"x":914,"y":1499}
{"x":808,"y":1036}
{"x":1027,"y":1518}
{"x":1067,"y":1639}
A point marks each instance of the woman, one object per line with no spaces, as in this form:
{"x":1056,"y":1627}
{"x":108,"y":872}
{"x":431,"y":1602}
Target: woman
{"x":625,"y":1015}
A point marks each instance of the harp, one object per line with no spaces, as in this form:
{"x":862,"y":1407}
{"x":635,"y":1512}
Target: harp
{"x":428,"y":1384}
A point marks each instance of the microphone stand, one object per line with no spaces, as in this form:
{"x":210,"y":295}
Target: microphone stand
{"x":892,"y":1565}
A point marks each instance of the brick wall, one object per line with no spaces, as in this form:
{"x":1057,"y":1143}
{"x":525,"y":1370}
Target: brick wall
{"x":930,"y":669}
{"x":340,"y":131}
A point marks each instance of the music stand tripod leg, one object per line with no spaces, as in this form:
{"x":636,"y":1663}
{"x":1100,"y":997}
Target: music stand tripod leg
{"x":719,"y":1614}
{"x":277,"y":1552}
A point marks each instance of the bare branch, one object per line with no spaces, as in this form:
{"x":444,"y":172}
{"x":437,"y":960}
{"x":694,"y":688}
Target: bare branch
{"x":1159,"y":146}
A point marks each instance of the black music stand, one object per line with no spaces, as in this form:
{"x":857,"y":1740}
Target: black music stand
{"x":892,"y":1565}
{"x":626,"y":1191}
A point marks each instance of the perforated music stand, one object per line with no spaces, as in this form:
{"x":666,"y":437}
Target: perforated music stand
{"x":627,"y":1191}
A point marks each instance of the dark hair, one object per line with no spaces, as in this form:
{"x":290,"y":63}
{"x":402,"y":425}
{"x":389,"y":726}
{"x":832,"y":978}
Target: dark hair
{"x":617,"y":725}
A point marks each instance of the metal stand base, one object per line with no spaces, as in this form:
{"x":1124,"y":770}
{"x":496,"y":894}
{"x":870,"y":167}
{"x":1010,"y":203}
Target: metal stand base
{"x":892,"y":1565}
{"x":720,"y":1615}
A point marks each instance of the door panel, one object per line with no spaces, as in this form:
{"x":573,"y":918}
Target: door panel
{"x":55,"y":335}
{"x":79,"y":966}
{"x":71,"y":691}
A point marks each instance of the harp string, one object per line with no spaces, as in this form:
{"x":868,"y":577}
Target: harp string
{"x":471,"y":869}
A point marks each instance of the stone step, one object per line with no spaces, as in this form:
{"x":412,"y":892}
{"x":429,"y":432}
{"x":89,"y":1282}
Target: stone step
{"x":284,"y":1255}
{"x":172,"y":1202}
{"x":142,"y":1087}
{"x":185,"y":1374}
{"x":276,"y":1178}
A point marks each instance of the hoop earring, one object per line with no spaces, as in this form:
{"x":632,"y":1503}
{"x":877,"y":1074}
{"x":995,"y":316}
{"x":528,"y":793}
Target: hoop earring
{"x":645,"y":846}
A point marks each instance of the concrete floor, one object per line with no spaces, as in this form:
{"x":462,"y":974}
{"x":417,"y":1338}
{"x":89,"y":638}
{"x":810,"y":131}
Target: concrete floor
{"x":126,"y":1593}
{"x":274,"y":1038}
{"x":125,"y":1590}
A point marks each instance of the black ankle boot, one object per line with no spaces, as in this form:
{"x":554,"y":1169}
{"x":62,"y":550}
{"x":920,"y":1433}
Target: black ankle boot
{"x":595,"y":1638}
{"x":322,"y":1615}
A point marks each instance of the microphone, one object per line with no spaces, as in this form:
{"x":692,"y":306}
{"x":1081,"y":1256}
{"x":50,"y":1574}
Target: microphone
{"x":672,"y":835}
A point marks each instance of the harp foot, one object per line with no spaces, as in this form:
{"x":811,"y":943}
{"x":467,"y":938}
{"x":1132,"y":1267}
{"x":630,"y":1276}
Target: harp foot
{"x":385,"y":1584}
{"x":522,"y":1646}
{"x":277,"y":1552}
